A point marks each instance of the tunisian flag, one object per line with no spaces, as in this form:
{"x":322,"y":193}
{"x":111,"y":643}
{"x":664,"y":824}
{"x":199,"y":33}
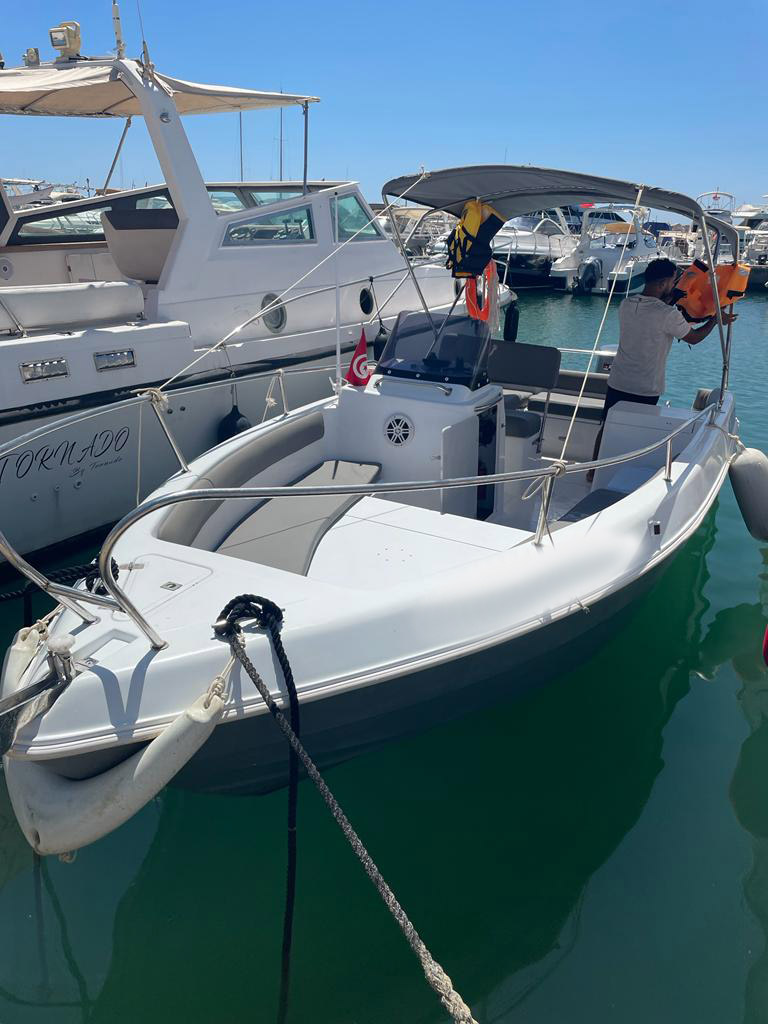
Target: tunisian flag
{"x":359,"y":372}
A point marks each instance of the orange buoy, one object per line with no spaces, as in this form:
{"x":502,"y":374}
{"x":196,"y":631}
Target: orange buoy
{"x":474,"y":308}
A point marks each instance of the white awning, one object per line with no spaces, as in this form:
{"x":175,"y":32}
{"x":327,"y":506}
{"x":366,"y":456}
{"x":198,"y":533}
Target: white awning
{"x":94,"y":89}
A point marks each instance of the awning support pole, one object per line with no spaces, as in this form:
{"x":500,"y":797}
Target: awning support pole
{"x":401,"y":247}
{"x":718,"y":310}
{"x":117,"y":154}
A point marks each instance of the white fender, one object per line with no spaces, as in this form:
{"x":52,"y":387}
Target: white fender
{"x":18,"y":658}
{"x":58,"y":815}
{"x":749,"y":479}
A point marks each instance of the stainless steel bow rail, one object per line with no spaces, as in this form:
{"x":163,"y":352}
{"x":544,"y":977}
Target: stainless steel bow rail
{"x":74,"y":598}
{"x":548,"y":475}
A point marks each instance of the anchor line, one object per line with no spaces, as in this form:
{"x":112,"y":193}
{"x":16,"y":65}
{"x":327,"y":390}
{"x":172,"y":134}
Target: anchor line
{"x":269,"y":617}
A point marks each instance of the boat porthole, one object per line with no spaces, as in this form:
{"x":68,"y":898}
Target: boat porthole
{"x":366,"y":301}
{"x":398,"y":430}
{"x":276,"y":318}
{"x":6,"y":270}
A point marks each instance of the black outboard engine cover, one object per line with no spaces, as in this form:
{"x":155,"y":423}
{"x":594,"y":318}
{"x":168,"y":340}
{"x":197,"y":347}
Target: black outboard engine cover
{"x":589,"y":276}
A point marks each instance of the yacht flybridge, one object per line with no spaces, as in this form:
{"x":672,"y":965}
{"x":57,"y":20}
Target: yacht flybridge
{"x":210,"y":290}
{"x":416,"y":533}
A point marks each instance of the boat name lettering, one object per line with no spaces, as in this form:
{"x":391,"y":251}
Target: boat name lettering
{"x":65,"y":453}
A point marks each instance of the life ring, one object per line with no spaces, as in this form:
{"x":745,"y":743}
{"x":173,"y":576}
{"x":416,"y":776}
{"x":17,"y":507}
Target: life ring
{"x":474,"y":309}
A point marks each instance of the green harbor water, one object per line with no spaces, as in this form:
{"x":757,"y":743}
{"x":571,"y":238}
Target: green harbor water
{"x":596,"y":851}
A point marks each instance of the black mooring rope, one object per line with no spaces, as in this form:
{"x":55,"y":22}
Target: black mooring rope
{"x":268,"y":615}
{"x":68,"y":574}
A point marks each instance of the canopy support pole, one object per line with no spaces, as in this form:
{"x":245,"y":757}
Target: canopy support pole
{"x":117,"y":154}
{"x":305,"y":108}
{"x":401,"y":247}
{"x":724,"y":346}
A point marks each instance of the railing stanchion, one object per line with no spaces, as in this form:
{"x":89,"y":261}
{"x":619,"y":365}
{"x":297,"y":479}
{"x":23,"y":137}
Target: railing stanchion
{"x":159,"y":401}
{"x":546,"y":494}
{"x":668,"y":462}
{"x":283,"y":399}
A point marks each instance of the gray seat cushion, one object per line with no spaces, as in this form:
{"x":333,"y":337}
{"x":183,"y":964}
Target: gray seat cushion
{"x":563,"y":405}
{"x":570,"y":382}
{"x":521,"y":423}
{"x":285,"y":532}
{"x":184,"y":522}
{"x":524,"y":367}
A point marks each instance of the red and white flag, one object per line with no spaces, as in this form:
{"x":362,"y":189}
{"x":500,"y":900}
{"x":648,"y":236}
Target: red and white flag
{"x":359,"y":372}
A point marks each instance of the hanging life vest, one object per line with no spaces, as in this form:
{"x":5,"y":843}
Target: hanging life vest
{"x":482,"y":310}
{"x":469,"y":244}
{"x":695,"y":288}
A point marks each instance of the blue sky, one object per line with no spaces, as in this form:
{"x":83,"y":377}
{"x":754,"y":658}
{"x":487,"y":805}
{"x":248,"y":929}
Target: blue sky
{"x":651,"y":91}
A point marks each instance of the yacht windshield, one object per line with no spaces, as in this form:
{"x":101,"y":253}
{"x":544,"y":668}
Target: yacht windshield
{"x":458,"y":356}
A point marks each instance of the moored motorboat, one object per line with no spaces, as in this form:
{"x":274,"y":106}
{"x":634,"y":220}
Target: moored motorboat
{"x":429,"y":540}
{"x":609,"y":255}
{"x":211,"y":290}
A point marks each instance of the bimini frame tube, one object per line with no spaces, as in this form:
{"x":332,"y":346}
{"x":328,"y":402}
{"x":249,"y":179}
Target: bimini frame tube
{"x":724,"y":345}
{"x":411,"y":271}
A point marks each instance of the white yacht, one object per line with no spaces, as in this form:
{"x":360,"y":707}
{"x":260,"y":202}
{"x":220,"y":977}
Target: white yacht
{"x":23,"y":193}
{"x":122,"y":292}
{"x":526,"y":248}
{"x":429,"y":540}
{"x":608,"y":251}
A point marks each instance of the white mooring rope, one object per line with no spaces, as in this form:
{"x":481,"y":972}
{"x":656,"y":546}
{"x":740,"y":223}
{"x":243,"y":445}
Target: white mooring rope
{"x":433,"y":972}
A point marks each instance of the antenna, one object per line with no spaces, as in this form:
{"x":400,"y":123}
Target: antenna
{"x":118,"y":29}
{"x":280,"y":176}
{"x":240,"y":117}
{"x":144,"y":48}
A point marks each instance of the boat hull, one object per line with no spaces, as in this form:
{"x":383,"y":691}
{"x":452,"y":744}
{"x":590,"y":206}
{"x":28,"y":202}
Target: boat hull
{"x":250,"y":755}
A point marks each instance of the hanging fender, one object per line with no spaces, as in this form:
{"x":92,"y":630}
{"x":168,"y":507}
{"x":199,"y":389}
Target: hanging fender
{"x":475,"y":310}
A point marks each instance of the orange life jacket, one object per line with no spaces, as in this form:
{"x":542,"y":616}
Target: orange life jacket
{"x":697,"y":302}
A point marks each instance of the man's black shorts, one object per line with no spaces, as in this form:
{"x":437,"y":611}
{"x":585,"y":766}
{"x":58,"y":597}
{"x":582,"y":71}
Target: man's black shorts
{"x":612,"y":396}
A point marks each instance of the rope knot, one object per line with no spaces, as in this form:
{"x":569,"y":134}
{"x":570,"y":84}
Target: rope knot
{"x":264,"y":612}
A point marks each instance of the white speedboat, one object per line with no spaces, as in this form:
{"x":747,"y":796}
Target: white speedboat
{"x":429,"y":539}
{"x":215,"y":288}
{"x":526,"y":248}
{"x":609,"y":254}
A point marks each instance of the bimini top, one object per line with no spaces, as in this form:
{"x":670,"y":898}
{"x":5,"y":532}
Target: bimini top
{"x":95,"y":89}
{"x":515,"y":190}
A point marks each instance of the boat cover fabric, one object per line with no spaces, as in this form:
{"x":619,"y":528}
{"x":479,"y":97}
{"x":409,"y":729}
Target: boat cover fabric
{"x":515,"y":190}
{"x":95,"y":89}
{"x":66,"y":305}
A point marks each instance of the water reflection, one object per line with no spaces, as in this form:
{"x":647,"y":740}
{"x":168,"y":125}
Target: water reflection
{"x":488,"y":830}
{"x":735,"y":637}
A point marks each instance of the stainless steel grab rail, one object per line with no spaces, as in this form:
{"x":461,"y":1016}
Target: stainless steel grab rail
{"x":548,"y":474}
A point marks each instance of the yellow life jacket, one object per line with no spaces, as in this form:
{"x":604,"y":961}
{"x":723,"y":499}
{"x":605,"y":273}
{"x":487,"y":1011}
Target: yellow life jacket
{"x":697,"y":302}
{"x":469,"y":248}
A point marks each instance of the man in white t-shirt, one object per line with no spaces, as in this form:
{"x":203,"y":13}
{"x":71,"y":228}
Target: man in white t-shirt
{"x":647,"y":328}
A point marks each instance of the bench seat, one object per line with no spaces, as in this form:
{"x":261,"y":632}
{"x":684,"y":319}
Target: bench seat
{"x":284,"y":532}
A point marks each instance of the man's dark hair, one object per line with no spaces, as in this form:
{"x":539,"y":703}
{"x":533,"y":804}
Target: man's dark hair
{"x":658,"y":270}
